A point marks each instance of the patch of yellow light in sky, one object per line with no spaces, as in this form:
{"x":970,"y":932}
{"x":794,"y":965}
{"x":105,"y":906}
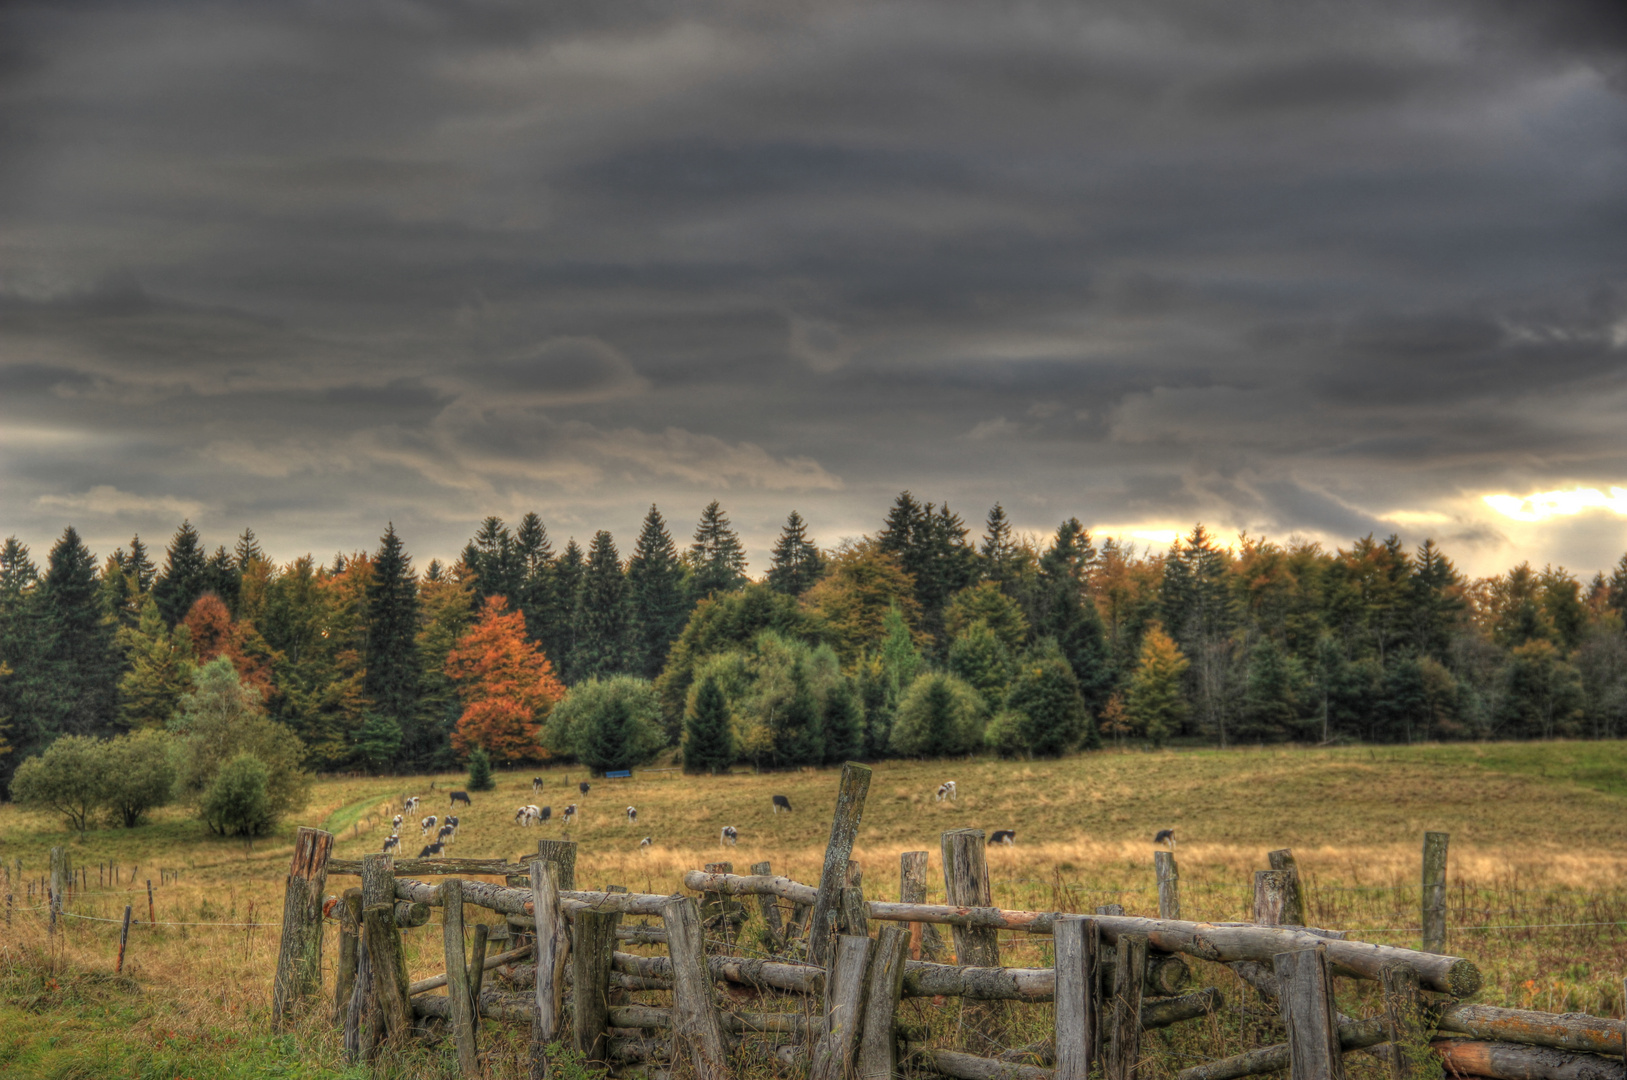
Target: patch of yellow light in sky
{"x":1146,"y":534}
{"x":1418,"y":517}
{"x":1547,"y":504}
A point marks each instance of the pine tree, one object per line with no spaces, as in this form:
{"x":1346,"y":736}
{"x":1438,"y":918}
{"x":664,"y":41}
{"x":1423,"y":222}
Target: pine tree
{"x":1201,"y":615}
{"x":1045,"y":695}
{"x":568,"y":575}
{"x":1618,"y":589}
{"x":139,"y":565}
{"x":602,"y":627}
{"x":1270,"y":709}
{"x":224,"y":579}
{"x":798,"y":731}
{"x":25,"y":683}
{"x":708,"y":740}
{"x":1153,"y":702}
{"x":81,"y":657}
{"x":480,"y":770}
{"x":392,"y":675}
{"x":1001,"y":557}
{"x":716,"y":557}
{"x":446,"y":616}
{"x":844,"y":724}
{"x":185,"y":576}
{"x":660,"y":603}
{"x":492,"y":557}
{"x":797,"y":562}
{"x":246,"y":551}
{"x":160,"y":670}
{"x":535,"y":585}
{"x":931,"y":544}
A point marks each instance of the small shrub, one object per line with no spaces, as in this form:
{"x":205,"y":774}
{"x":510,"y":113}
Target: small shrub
{"x":238,"y":803}
{"x":480,"y":770}
{"x":68,"y":779}
{"x":140,"y":775}
{"x":223,"y":719}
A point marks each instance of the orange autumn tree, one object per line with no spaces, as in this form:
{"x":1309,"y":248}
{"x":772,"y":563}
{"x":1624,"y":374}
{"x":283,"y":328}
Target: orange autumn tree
{"x":214,"y":633}
{"x":506,"y":683}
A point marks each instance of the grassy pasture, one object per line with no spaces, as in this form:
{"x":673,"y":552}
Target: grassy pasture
{"x":1535,"y":841}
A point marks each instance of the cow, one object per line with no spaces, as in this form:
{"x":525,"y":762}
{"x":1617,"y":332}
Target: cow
{"x":392,"y":843}
{"x":547,"y":812}
{"x":452,"y":821}
{"x":1165,"y":836}
{"x":729,"y":835}
{"x":536,"y":784}
{"x":431,"y":851}
{"x":1007,"y":837}
{"x":782,"y":803}
{"x":460,"y":797}
{"x":427,"y":825}
{"x":444,"y":836}
{"x":632,"y":814}
{"x":410,"y":805}
{"x":527,"y":816}
{"x":584,"y":787}
{"x":644,"y":843}
{"x":395,"y":825}
{"x":570,"y":815}
{"x":946,"y":790}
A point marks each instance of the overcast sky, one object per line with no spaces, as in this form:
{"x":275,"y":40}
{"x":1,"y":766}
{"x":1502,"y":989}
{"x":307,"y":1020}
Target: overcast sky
{"x":1313,"y":268}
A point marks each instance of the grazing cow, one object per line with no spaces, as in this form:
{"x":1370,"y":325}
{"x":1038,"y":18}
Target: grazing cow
{"x":428,"y":825}
{"x":452,"y":821}
{"x":782,"y":803}
{"x":410,"y":805}
{"x":460,"y":797}
{"x":570,"y":815}
{"x":729,"y":835}
{"x":536,"y":784}
{"x":946,"y":790}
{"x":1165,"y":836}
{"x":1007,"y":837}
{"x":392,"y":843}
{"x":395,"y":825}
{"x":527,"y":816}
{"x":444,"y":836}
{"x":644,"y":843}
{"x":431,"y":851}
{"x":632,"y":813}
{"x":547,"y":812}
{"x":583,"y":787}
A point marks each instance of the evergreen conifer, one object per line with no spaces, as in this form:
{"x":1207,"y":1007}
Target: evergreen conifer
{"x":602,"y":613}
{"x":660,"y":603}
{"x":392,"y":673}
{"x":185,"y":576}
{"x":708,"y":741}
{"x":480,"y":778}
{"x":797,"y":562}
{"x":716,"y":558}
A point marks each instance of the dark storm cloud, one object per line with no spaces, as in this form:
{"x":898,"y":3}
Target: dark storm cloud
{"x":1319,"y":268}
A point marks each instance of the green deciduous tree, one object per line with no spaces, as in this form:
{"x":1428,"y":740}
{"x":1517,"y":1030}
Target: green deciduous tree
{"x":607,"y":724}
{"x":939,"y":716}
{"x":140,"y":775}
{"x":222,"y":719}
{"x":238,"y":802}
{"x":67,"y":779}
{"x":979,"y":656}
{"x":1045,"y":695}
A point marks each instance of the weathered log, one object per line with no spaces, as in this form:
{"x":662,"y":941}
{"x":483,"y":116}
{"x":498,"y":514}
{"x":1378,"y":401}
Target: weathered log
{"x":477,"y":967}
{"x":413,"y":867}
{"x":360,"y":1029}
{"x":593,"y":942}
{"x":435,"y":982}
{"x":1407,"y":1021}
{"x":1123,"y":1050}
{"x":1293,"y":907}
{"x":517,"y":901}
{"x":350,"y":933}
{"x":1354,"y":1035}
{"x":552,"y":945}
{"x":1169,"y":884}
{"x":768,"y":908}
{"x":1434,"y":892}
{"x":1306,"y":1001}
{"x":925,"y":941}
{"x":922,"y":979}
{"x":409,"y":913}
{"x":299,"y":955}
{"x":649,"y":1016}
{"x":633,"y":1051}
{"x":878,"y":1045}
{"x":970,"y":1067}
{"x":389,"y":969}
{"x":851,"y":915}
{"x":1509,"y":1061}
{"x":835,"y":1052}
{"x":844,"y":826}
{"x":494,"y":1005}
{"x":643,"y":935}
{"x":460,"y":998}
{"x":798,"y":978}
{"x":695,"y":1015}
{"x":966,"y":882}
{"x":1563,"y":1031}
{"x":1160,"y":1013}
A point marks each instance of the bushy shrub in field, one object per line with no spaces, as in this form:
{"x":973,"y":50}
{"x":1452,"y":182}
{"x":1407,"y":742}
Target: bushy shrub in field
{"x":940,"y":715}
{"x":1045,"y":695}
{"x":68,"y":779}
{"x":238,"y":803}
{"x":223,"y":719}
{"x":140,"y":775}
{"x":605,"y":724}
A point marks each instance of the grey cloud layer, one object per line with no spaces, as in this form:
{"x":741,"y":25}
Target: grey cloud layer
{"x":1284,"y":267}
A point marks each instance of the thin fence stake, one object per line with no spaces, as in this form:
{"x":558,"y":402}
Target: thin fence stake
{"x":124,"y":938}
{"x":150,"y":918}
{"x":1434,"y":892}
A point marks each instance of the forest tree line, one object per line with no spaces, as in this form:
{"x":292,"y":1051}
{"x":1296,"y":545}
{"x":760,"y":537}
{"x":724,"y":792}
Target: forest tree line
{"x":921,"y":639}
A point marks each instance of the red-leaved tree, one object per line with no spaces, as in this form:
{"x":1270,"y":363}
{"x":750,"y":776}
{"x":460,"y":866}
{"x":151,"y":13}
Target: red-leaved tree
{"x":506,"y":683}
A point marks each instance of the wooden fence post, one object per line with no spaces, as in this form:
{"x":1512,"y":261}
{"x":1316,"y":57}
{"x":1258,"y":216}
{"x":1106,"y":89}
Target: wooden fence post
{"x":1434,"y":892}
{"x":966,"y":880}
{"x":1169,"y":885}
{"x":124,"y":938}
{"x":844,"y":825}
{"x":391,"y":1003}
{"x":770,"y":908}
{"x":477,"y":968}
{"x":1306,"y":1000}
{"x":459,"y":1004}
{"x":1406,"y":1022}
{"x":360,"y":1033}
{"x":854,"y":916}
{"x":561,"y":855}
{"x":878,"y":1044}
{"x":350,"y":932}
{"x":1293,"y":906}
{"x":150,"y":919}
{"x":593,"y":947}
{"x":1129,"y":973}
{"x":1077,"y":940}
{"x":925,"y":943}
{"x":552,"y":946}
{"x":697,"y":1030}
{"x":299,"y":956}
{"x":1270,"y":895}
{"x":59,"y":868}
{"x":833,"y":1055}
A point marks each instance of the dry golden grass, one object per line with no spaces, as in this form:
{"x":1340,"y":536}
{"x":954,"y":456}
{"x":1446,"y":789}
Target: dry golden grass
{"x":1526,"y":849}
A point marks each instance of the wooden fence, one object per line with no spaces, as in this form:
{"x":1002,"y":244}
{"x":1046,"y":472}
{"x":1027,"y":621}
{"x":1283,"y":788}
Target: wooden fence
{"x":847,"y":962}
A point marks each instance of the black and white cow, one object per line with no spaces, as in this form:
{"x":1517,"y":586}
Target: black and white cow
{"x":444,"y":836}
{"x":782,"y":803}
{"x":730,"y":835}
{"x":946,"y":790}
{"x":1007,"y":837}
{"x":410,"y":805}
{"x":392,"y":843}
{"x":460,"y":797}
{"x":584,"y":787}
{"x":632,"y":813}
{"x":536,"y":784}
{"x":452,"y":821}
{"x":527,"y":816}
{"x":395,"y":825}
{"x":427,"y":825}
{"x":644,"y":843}
{"x":431,"y":851}
{"x":570,"y":815}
